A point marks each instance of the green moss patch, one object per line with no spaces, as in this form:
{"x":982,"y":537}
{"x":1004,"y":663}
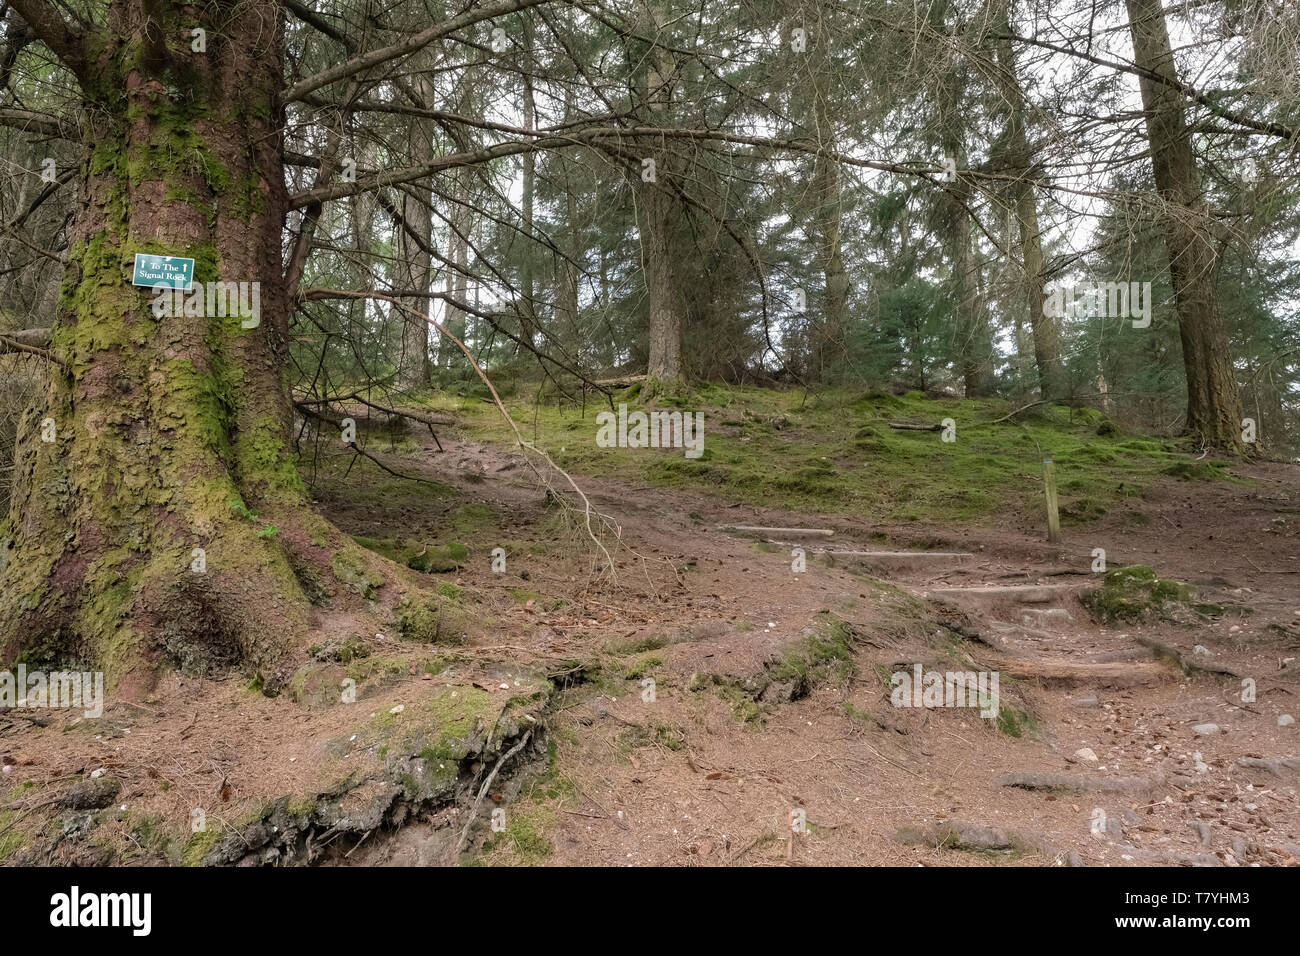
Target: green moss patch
{"x":432,"y":619}
{"x":427,"y":558}
{"x":1136,"y":593}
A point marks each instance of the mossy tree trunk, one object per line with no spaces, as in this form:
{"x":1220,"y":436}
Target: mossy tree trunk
{"x":168,"y":432}
{"x":1213,"y":397}
{"x":1046,"y":331}
{"x":664,"y":368}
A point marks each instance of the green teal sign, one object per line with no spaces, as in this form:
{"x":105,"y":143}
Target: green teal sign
{"x":171,"y":271}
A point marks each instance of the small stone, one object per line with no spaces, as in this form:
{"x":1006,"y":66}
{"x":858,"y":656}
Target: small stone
{"x":96,"y":774}
{"x":1285,"y":720}
{"x":1085,"y":753}
{"x":398,"y":709}
{"x":1202,"y":650}
{"x":1205,"y":729}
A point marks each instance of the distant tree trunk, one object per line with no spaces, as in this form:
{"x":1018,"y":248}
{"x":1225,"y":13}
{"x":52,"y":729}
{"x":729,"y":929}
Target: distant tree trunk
{"x":528,"y":307}
{"x":566,"y":269}
{"x":661,"y":213}
{"x":1046,"y":331}
{"x":159,"y":435}
{"x":1213,"y":398}
{"x":974,"y":338}
{"x":415,"y":247}
{"x":828,"y":335}
{"x":461,"y":220}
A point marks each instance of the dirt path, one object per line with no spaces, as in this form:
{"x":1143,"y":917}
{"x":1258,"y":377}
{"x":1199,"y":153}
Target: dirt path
{"x":711,"y":770}
{"x":771,"y":692}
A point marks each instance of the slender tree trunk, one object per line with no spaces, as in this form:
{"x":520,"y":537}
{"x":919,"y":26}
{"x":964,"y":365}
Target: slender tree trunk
{"x":458,"y":277}
{"x":660,"y":218}
{"x":128,"y":542}
{"x":830,"y":332}
{"x":566,"y":270}
{"x":974,"y":337}
{"x":528,"y":307}
{"x":415,"y":247}
{"x":1046,"y":331}
{"x":1213,"y":398}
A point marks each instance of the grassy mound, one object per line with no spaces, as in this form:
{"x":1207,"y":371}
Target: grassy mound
{"x":837,"y":451}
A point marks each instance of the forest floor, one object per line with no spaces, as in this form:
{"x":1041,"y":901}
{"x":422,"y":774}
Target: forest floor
{"x":771,"y":701}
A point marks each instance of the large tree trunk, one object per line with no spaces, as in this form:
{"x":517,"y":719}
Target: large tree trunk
{"x":1213,"y":399}
{"x":168,"y":431}
{"x":1046,"y":331}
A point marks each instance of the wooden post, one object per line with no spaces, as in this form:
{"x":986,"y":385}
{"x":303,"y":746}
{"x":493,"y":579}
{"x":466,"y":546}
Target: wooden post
{"x":1053,"y":516}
